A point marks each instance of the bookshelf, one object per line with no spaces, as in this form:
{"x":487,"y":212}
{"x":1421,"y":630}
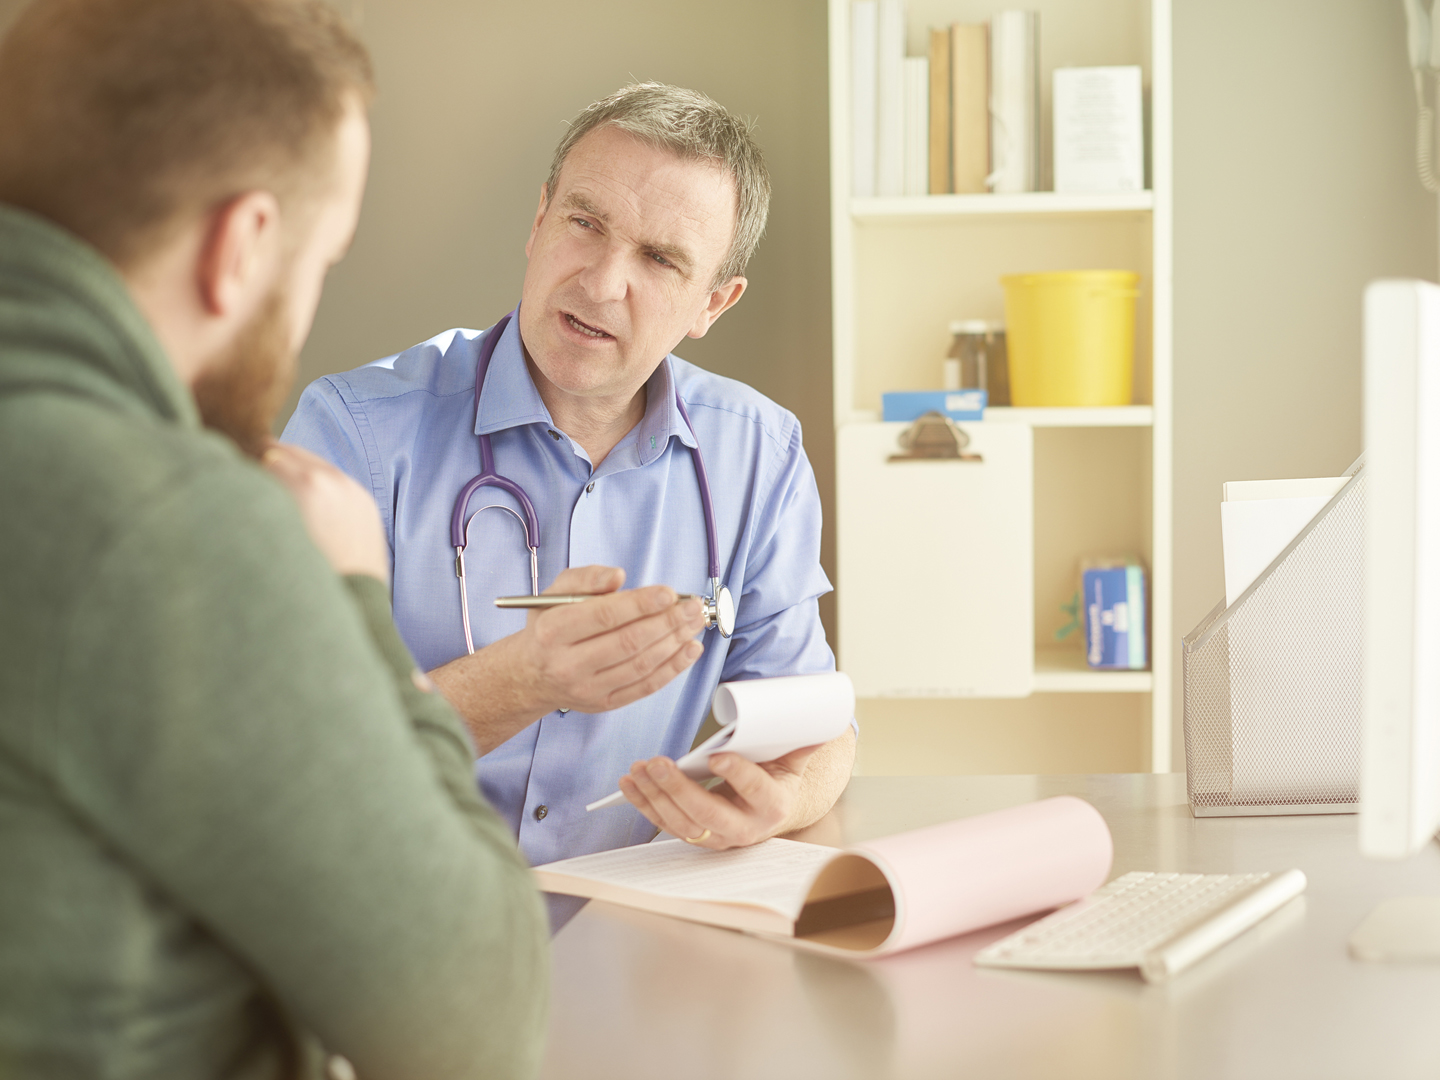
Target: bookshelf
{"x":904,"y":267}
{"x":1031,"y":202}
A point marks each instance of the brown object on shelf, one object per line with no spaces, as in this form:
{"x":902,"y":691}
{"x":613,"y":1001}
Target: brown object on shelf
{"x":934,"y":437}
{"x":997,"y":369}
{"x":940,"y":112}
{"x":979,"y":347}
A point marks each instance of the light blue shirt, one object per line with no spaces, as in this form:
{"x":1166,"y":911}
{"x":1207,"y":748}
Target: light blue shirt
{"x":405,"y":427}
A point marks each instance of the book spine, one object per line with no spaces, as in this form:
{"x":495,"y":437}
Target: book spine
{"x":890,"y":100}
{"x":970,"y":106}
{"x":864,"y":23}
{"x":917,"y":125}
{"x":1014,"y":101}
{"x":940,"y":91}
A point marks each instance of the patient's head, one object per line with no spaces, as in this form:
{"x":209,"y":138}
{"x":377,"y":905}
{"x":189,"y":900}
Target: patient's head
{"x":214,"y":151}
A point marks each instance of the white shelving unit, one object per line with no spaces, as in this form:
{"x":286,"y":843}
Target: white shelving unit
{"x":1030,"y":202}
{"x":902,"y":268}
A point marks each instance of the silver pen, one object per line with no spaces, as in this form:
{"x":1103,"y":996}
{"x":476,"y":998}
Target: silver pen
{"x":550,"y":600}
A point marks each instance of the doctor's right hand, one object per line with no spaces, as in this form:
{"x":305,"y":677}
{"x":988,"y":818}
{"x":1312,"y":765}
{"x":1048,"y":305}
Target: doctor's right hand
{"x":590,"y":657}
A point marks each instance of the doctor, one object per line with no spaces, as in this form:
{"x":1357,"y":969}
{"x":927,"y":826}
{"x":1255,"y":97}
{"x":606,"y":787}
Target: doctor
{"x":655,"y":200}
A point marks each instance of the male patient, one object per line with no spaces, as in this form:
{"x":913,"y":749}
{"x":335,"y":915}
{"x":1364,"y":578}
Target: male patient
{"x":239,"y":832}
{"x":655,"y":200}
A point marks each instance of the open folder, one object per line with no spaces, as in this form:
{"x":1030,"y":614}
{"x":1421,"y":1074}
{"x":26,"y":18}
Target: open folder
{"x":764,"y":719}
{"x":879,"y":897}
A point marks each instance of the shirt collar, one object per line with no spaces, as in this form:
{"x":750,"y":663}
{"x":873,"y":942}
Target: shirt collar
{"x":509,"y":398}
{"x":662,"y":417}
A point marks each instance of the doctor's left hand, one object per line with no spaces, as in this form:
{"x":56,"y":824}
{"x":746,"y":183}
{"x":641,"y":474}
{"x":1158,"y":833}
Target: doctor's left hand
{"x":754,"y":803}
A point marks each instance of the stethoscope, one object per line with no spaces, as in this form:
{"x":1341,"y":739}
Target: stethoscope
{"x":718,"y":607}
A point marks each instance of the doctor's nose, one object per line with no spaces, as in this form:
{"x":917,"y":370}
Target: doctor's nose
{"x":605,"y":278}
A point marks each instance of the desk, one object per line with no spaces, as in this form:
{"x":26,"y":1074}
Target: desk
{"x":642,"y":996}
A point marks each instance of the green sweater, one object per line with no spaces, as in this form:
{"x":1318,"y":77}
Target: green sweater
{"x":234,"y":833}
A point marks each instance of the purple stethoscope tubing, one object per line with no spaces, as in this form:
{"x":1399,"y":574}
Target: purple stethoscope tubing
{"x":488,"y":476}
{"x":719,"y":597}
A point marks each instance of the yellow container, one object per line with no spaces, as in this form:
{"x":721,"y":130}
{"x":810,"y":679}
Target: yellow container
{"x":1071,"y":336}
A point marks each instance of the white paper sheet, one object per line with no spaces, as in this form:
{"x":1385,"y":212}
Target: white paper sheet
{"x":775,"y":874}
{"x":763,"y":719}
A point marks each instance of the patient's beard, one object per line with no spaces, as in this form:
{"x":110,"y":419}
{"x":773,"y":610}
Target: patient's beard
{"x":241,"y":393}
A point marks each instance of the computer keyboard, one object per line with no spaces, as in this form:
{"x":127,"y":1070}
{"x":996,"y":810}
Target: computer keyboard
{"x":1160,"y":923}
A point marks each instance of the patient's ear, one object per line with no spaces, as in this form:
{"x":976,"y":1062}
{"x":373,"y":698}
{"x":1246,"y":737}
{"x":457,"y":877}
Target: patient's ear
{"x":237,"y":260}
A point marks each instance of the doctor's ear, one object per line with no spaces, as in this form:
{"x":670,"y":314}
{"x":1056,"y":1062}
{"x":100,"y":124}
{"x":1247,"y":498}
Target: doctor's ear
{"x":239,"y":253}
{"x":721,"y":301}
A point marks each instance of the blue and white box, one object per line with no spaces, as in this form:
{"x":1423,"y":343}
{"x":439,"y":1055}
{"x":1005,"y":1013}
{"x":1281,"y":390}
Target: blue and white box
{"x":910,"y":405}
{"x":1113,"y":599}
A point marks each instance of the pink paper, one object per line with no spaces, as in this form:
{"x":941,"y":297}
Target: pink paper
{"x":959,"y":876}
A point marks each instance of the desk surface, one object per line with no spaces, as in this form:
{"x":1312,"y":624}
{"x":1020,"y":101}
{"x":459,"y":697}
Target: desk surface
{"x":641,"y":996}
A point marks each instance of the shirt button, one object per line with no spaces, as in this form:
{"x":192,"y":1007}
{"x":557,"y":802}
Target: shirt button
{"x":541,"y":811}
{"x":555,"y":435}
{"x":589,"y":487}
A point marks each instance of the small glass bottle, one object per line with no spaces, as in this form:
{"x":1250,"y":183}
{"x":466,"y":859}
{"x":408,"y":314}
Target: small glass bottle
{"x":976,"y":360}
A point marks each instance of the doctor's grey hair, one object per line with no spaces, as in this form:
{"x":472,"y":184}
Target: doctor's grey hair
{"x":693,"y":127}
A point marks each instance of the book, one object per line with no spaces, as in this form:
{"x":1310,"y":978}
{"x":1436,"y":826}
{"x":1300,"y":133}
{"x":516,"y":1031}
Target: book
{"x":890,"y":100}
{"x":940,"y":112}
{"x":1015,"y":101}
{"x":872,"y":899}
{"x":917,"y":125}
{"x":1259,"y":518}
{"x":864,"y":24}
{"x":1098,"y":129}
{"x":969,"y":107}
{"x":763,"y":719}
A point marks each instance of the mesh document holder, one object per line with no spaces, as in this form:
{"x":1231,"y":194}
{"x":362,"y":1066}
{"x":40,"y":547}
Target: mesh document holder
{"x":1272,"y":683}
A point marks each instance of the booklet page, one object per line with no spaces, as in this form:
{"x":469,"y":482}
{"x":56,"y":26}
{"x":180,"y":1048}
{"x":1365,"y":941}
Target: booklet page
{"x":774,"y":874}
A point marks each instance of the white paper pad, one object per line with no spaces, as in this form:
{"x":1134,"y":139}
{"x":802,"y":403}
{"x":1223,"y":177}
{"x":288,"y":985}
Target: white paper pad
{"x":763,"y":719}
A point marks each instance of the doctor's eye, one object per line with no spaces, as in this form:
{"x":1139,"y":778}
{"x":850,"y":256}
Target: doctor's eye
{"x":662,"y":260}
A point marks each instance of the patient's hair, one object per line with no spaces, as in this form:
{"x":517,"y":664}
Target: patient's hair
{"x":694,"y":127}
{"x":122,"y":120}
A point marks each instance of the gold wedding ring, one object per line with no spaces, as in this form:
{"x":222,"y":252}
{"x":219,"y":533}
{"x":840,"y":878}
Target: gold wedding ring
{"x":698,"y":839}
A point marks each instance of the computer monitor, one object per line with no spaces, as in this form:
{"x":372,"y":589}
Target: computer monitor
{"x":1400,"y":746}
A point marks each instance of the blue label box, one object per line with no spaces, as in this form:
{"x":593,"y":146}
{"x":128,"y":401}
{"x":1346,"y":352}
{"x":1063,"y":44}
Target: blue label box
{"x":909,"y":405}
{"x":1113,"y":599}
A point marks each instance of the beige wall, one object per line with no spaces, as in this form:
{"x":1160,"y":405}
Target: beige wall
{"x":1294,"y":185}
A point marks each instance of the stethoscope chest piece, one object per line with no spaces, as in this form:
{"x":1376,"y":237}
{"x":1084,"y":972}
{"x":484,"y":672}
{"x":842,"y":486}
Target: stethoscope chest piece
{"x":719,"y":609}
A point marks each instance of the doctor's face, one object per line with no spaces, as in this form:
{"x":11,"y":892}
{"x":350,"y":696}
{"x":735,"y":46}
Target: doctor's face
{"x":622,"y":263}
